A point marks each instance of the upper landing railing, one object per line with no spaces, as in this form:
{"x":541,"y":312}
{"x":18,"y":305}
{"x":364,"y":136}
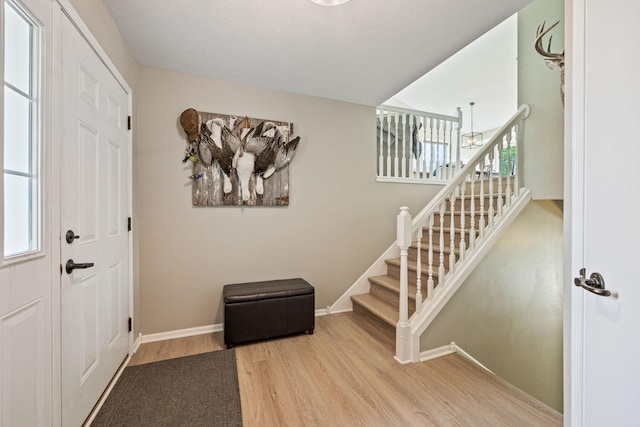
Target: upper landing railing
{"x":417,"y":146}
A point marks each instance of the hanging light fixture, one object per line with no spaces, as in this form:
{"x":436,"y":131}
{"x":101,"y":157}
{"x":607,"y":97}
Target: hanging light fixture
{"x":472,"y":139}
{"x":329,"y":2}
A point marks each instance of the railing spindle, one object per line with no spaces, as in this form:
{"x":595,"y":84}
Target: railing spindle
{"x":491,"y":212}
{"x":482,"y":223}
{"x":472,"y":217}
{"x":430,"y":279}
{"x":405,"y":122}
{"x":381,"y":144}
{"x":441,"y":266}
{"x":509,"y":171}
{"x":395,"y":157}
{"x":452,"y":230}
{"x":388,"y":171}
{"x":419,"y":270}
{"x":463,"y":245}
{"x":500,"y":158}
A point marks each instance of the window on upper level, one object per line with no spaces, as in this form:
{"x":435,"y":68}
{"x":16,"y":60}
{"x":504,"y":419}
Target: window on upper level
{"x":21,"y":133}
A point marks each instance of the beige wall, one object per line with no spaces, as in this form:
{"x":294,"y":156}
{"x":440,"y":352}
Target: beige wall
{"x":539,"y":87}
{"x":97,"y":18}
{"x":508,"y":313}
{"x":338,"y":222}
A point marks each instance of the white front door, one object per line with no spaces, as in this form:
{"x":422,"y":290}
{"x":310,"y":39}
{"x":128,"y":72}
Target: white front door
{"x":94,"y":235}
{"x":26,"y":391}
{"x":604,"y":354}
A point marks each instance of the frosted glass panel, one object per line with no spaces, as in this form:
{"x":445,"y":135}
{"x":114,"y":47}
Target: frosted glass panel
{"x":17,"y":124}
{"x":17,"y":217}
{"x":17,"y":50}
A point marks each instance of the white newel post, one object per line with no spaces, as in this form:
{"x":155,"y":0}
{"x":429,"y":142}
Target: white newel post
{"x":403,"y":339}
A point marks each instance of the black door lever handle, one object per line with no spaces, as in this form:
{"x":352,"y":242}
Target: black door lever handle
{"x":72,"y":266}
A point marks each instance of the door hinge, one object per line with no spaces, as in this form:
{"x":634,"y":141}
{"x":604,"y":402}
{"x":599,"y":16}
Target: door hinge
{"x":129,"y":224}
{"x":130,"y":324}
{"x":128,"y":122}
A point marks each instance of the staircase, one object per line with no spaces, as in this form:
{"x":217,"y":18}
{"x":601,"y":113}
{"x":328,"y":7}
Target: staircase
{"x":381,"y":304}
{"x":438,"y":248}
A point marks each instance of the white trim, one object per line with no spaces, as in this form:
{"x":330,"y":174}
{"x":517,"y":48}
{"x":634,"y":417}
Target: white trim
{"x":107,"y":392}
{"x":76,"y":20}
{"x":322,"y":311}
{"x":136,"y":344}
{"x":446,"y":350}
{"x":435,"y":353}
{"x":394,"y":180}
{"x":181,"y":333}
{"x":199,"y":330}
{"x":467,"y":356}
{"x":574,"y":194}
{"x":362,"y":285}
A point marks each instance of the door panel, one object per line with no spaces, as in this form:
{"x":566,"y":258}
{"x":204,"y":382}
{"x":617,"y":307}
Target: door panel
{"x":94,"y":200}
{"x":606,"y":385}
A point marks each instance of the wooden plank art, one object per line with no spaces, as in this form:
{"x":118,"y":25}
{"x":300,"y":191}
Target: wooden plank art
{"x":238,"y":161}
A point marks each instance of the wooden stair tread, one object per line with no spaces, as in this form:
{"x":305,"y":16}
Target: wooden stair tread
{"x":413,"y":266}
{"x":378,"y":307}
{"x":393,"y":285}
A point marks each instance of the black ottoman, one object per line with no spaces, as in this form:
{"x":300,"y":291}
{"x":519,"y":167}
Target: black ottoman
{"x":261,"y":310}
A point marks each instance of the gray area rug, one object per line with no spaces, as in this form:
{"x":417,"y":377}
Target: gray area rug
{"x":200,"y":390}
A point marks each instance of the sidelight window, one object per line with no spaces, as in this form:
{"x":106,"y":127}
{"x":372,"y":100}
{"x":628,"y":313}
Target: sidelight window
{"x":21,"y":133}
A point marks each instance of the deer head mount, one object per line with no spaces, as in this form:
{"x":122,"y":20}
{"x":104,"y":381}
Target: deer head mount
{"x":553,"y":60}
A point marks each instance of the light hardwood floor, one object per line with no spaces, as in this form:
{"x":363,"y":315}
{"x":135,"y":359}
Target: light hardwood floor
{"x":344,"y":375}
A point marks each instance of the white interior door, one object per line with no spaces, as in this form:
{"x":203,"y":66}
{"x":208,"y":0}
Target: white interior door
{"x":605,"y":348}
{"x":94,"y":200}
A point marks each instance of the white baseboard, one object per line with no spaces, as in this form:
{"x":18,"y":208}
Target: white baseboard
{"x":136,"y":344}
{"x":181,"y":333}
{"x":199,"y":330}
{"x":446,"y":350}
{"x":322,"y":312}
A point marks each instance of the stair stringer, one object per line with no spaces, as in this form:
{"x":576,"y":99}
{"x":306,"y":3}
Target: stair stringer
{"x":419,"y":322}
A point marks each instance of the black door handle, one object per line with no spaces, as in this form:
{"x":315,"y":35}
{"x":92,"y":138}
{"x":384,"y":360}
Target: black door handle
{"x":71,"y":236}
{"x":72,"y":266}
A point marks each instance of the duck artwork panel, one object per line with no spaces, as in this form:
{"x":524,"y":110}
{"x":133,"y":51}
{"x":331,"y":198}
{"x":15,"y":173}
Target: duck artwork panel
{"x":237,"y":160}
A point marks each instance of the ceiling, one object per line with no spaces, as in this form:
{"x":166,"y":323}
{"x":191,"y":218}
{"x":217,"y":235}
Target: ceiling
{"x":484,"y":72}
{"x":363,"y":51}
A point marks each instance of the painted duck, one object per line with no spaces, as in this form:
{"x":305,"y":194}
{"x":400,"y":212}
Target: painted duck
{"x":216,"y":145}
{"x":275,"y":154}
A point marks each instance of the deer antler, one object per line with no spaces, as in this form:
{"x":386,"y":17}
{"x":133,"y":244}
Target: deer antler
{"x":553,"y":60}
{"x":540,"y":33}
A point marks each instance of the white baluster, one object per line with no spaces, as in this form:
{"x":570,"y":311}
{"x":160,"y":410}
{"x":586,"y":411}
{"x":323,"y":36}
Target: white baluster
{"x":452,"y":231}
{"x":463,"y":244}
{"x":388,"y":171}
{"x":448,"y":127}
{"x":419,"y":270}
{"x":491,"y":211}
{"x":395,"y":158}
{"x":405,"y":122}
{"x":509,"y":169}
{"x":430,"y":279}
{"x":441,"y":266}
{"x":432,"y":149}
{"x":500,"y":158}
{"x":482,"y":223}
{"x":519,"y":153}
{"x":472,"y":218}
{"x":381,"y":144}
